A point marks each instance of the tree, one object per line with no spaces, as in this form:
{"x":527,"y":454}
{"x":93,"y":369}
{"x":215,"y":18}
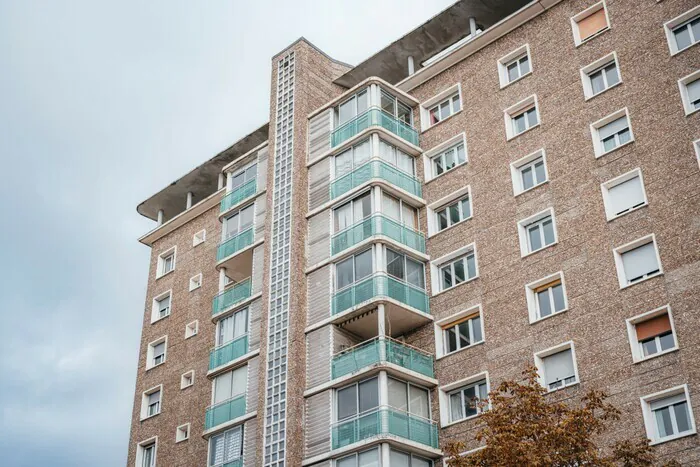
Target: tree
{"x":523,"y":428}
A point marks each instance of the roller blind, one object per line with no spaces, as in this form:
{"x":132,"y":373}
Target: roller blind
{"x":693,"y":91}
{"x":159,"y":349}
{"x":640,"y":261}
{"x":558,"y":366}
{"x":626,"y":195}
{"x":653,"y":327}
{"x":592,"y":24}
{"x":666,"y":401}
{"x":613,"y":127}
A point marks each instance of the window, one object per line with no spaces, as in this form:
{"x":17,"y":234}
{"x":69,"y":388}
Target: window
{"x":199,"y":237}
{"x":537,"y":232}
{"x":529,"y":172}
{"x":652,"y":334}
{"x":369,"y":458}
{"x":351,"y":158}
{"x":405,"y":459}
{"x":521,"y":117}
{"x":230,"y":385}
{"x":146,"y":453}
{"x":351,"y":107}
{"x":195,"y":282}
{"x":242,"y":177}
{"x":668,"y":415}
{"x":557,"y":367}
{"x":690,"y":92}
{"x":394,"y":107}
{"x":166,"y":262}
{"x":449,"y":159}
{"x":409,"y":398}
{"x":238,"y":222}
{"x":514,"y":66}
{"x":399,"y":211}
{"x":454,"y":213}
{"x":455,"y":271}
{"x":637,"y":261}
{"x":156,"y":352}
{"x":353,"y":269}
{"x":226,"y":448}
{"x":624,"y":194}
{"x":459,"y":331}
{"x":442,"y":106}
{"x":232,"y":327}
{"x":465,"y":402}
{"x":405,"y":269}
{"x":600,"y":75}
{"x":161,"y":306}
{"x":611,"y":132}
{"x":191,"y":329}
{"x":187,"y":379}
{"x":356,"y":399}
{"x":352,"y":212}
{"x":150,"y":404}
{"x":546,"y":297}
{"x":590,"y":23}
{"x":396,"y":157}
{"x":182,"y":433}
{"x":683,"y":31}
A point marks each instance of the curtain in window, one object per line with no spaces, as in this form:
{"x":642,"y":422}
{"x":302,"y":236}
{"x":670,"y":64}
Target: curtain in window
{"x":391,"y":207}
{"x":361,"y":153}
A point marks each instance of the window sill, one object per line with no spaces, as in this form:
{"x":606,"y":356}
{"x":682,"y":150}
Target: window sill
{"x":659,"y":354}
{"x":530,"y":253}
{"x":610,"y":219}
{"x":461,"y":420}
{"x":159,"y":319}
{"x":503,"y":86}
{"x":455,"y":286}
{"x":587,"y":98}
{"x":575,"y":383}
{"x":531,"y":188}
{"x":626,"y":286}
{"x":150,"y":416}
{"x":182,"y":388}
{"x":165,"y":274}
{"x":672,"y":438}
{"x":450,"y":227}
{"x":601,"y":154}
{"x":442,"y":121}
{"x":458,"y":351}
{"x":447,"y":171}
{"x":195,"y":288}
{"x":155,"y":366}
{"x":593,"y":36}
{"x":538,"y":320}
{"x":673,"y":54}
{"x":692,"y":111}
{"x":512,"y":137}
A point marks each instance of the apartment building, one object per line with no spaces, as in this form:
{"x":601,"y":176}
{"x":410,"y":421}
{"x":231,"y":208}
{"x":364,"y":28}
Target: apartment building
{"x":510,"y":183}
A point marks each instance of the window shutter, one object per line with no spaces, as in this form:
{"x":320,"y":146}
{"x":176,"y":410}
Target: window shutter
{"x":613,"y":127}
{"x":558,"y":366}
{"x":653,"y":327}
{"x":640,"y":261}
{"x":592,"y":24}
{"x":625,"y":195}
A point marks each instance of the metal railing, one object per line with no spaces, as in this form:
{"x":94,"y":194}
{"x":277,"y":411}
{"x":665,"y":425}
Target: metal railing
{"x":235,"y":243}
{"x":229,"y":297}
{"x":228,"y":352}
{"x":225,"y":411}
{"x":380,"y":285}
{"x":376,"y":168}
{"x":381,"y":349}
{"x":374,"y":117}
{"x":377,"y":224}
{"x":238,"y":194}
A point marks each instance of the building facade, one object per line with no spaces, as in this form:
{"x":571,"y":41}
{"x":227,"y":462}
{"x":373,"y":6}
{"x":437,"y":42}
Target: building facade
{"x":505,"y":185}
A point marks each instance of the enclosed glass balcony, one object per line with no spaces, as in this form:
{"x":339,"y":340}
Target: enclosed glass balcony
{"x":377,"y":224}
{"x":229,"y":297}
{"x":234,"y":463}
{"x":382,"y":350}
{"x":374,"y":117}
{"x":235,"y":243}
{"x":380,"y":286}
{"x":238,"y":194}
{"x":376,"y":168}
{"x":385,"y":421}
{"x":225,"y":411}
{"x":228,"y":352}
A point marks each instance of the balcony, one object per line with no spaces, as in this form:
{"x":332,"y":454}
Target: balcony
{"x":374,"y":117}
{"x":385,"y":421}
{"x":235,"y":243}
{"x":234,"y":463}
{"x":228,"y":352}
{"x":377,"y":224}
{"x":378,"y":286}
{"x":238,"y":194}
{"x":383,"y":350}
{"x":376,"y":168}
{"x":230,"y":297}
{"x":225,"y":411}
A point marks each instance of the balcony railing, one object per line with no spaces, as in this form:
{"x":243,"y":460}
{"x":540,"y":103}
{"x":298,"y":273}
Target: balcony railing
{"x":379,"y":286}
{"x":228,"y":352}
{"x":225,"y":411}
{"x":234,"y":463}
{"x":376,"y":168}
{"x":238,"y":194}
{"x":374,"y":117}
{"x":381,"y":350}
{"x":235,"y":243}
{"x":377,"y":224}
{"x":229,"y":297}
{"x":385,"y":421}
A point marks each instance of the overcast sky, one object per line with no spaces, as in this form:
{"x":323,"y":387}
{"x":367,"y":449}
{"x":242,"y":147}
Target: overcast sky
{"x":102,"y":104}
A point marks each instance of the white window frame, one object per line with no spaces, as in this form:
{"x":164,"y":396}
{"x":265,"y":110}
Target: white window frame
{"x":516,"y":110}
{"x":606,"y":186}
{"x":650,"y":423}
{"x":682,"y":87}
{"x":439,"y":329}
{"x":430,"y":154}
{"x":155,"y":309}
{"x":696,"y":145}
{"x":184,"y":377}
{"x":444,"y":397}
{"x":182,"y":433}
{"x":517,"y":166}
{"x":195,"y":282}
{"x":141,"y":446}
{"x":669,"y":26}
{"x":503,"y":62}
{"x":585,"y":14}
{"x":523,"y":234}
{"x":436,"y":264}
{"x":539,"y":364}
{"x":619,"y":251}
{"x":531,"y":297}
{"x":199,"y":237}
{"x":426,"y":106}
{"x":161,"y":261}
{"x":635,"y":347}
{"x":597,"y":125}
{"x":433,"y":208}
{"x":150,"y":352}
{"x":191,"y":329}
{"x":591,"y":68}
{"x":144,"y":402}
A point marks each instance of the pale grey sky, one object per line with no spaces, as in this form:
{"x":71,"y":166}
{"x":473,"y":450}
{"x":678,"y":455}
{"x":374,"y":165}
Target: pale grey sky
{"x":103,"y":103}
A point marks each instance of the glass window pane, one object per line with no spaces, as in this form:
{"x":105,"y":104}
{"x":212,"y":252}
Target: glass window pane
{"x":404,"y":113}
{"x":461,"y":156}
{"x":363,"y":265}
{"x":347,"y":402}
{"x":349,"y":461}
{"x":682,"y":416}
{"x":476,"y":329}
{"x":695,"y":26}
{"x":362,"y":102}
{"x":525,"y":65}
{"x":624,"y":136}
{"x":456,"y":104}
{"x":456,"y":407}
{"x":663,"y":422}
{"x":449,"y":159}
{"x":346,"y":111}
{"x":471,"y":266}
{"x":434,"y":116}
{"x":237,"y":180}
{"x":388,"y":103}
{"x":470,"y":401}
{"x":398,"y":394}
{"x":459,"y":271}
{"x":682,"y":35}
{"x":343,"y":163}
{"x":391,"y":207}
{"x":446,"y":277}
{"x":395,"y":264}
{"x":409,"y":216}
{"x":558,"y":295}
{"x":466,"y":208}
{"x":597,"y":82}
{"x":649,"y":347}
{"x":442,"y":219}
{"x":666,"y":341}
{"x":528,"y":181}
{"x":463,"y":334}
{"x":399,"y":459}
{"x":419,"y":401}
{"x":513,"y":72}
{"x":360,"y":153}
{"x":369,"y":395}
{"x":415,"y":274}
{"x":519,"y":124}
{"x":611,"y":74}
{"x":534,"y":236}
{"x":362,"y":207}
{"x":609,"y":143}
{"x":439,"y":166}
{"x":342,"y":217}
{"x":531,"y":118}
{"x":451,"y":339}
{"x":404,"y":162}
{"x":543,"y":303}
{"x":454,"y":213}
{"x":344,"y":273}
{"x":548,"y":228}
{"x":444,"y":110}
{"x":369,"y":458}
{"x":387,"y":152}
{"x":540,"y":176}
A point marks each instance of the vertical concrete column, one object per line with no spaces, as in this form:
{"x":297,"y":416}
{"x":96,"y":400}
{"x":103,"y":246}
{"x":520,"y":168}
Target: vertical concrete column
{"x":229,"y":181}
{"x":385,"y":454}
{"x":190,"y":195}
{"x":222,"y":178}
{"x":222,"y":279}
{"x":411,"y":67}
{"x":160,"y":217}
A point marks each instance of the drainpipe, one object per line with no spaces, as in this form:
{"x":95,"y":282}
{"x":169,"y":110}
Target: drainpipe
{"x":189,"y":199}
{"x":160,"y":217}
